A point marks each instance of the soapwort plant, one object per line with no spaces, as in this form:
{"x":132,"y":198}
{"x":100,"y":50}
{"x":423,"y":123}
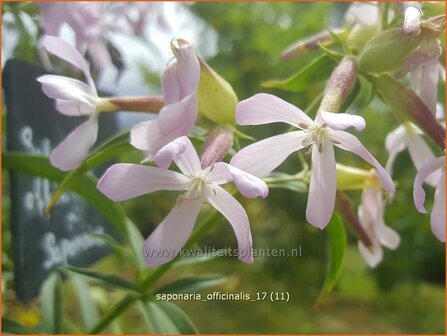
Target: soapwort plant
{"x":392,"y":49}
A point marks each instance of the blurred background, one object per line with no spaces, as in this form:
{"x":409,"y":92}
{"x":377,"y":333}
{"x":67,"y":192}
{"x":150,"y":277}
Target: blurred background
{"x":243,"y":42}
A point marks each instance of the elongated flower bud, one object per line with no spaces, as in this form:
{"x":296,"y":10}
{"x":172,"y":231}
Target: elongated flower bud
{"x":217,"y":144}
{"x":352,"y":178}
{"x":406,"y":105}
{"x":339,"y":85}
{"x":301,"y":47}
{"x":412,"y":16}
{"x":217,"y":99}
{"x":386,"y":51}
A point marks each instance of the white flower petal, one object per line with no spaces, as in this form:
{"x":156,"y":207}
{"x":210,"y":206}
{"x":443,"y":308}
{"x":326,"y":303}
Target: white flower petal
{"x":373,"y":255}
{"x":124,"y":181}
{"x":265,"y":108}
{"x":437,"y":218}
{"x":183,"y":153}
{"x":264,"y":156}
{"x":76,"y":146}
{"x":228,"y":206}
{"x":172,"y":233}
{"x":421,"y":154}
{"x":342,"y":121}
{"x":323,"y":186}
{"x":418,"y":191}
{"x":349,"y":142}
{"x":65,"y":88}
{"x":394,"y":144}
{"x":68,"y":53}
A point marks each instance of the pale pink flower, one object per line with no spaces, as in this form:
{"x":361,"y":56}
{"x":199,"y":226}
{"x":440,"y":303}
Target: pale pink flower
{"x":412,"y":13}
{"x":437,"y":217}
{"x":87,"y":22}
{"x":73,"y":98}
{"x":318,"y":137}
{"x":371,"y":217}
{"x":125,"y":181}
{"x":180,"y":82}
{"x":365,"y":13}
{"x":408,"y":136}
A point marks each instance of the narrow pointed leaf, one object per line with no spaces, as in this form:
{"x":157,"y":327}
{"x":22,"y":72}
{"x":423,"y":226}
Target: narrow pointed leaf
{"x":317,"y":72}
{"x":51,"y":298}
{"x":107,"y":279}
{"x":192,"y":284}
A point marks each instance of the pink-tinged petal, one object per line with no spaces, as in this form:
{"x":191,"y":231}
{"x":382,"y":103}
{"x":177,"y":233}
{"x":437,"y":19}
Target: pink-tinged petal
{"x":228,"y":206}
{"x":99,"y":54}
{"x":249,"y":185}
{"x":68,"y":53}
{"x":373,"y":255}
{"x":218,"y":173}
{"x":418,"y":191}
{"x":394,"y":144}
{"x":440,"y":112}
{"x":51,"y":17}
{"x":172,"y":233}
{"x":264,"y":156}
{"x":73,"y":108}
{"x":342,"y":121}
{"x":123,"y":181}
{"x":421,"y":154}
{"x":424,"y":82}
{"x":65,"y":88}
{"x":323,"y":186}
{"x":349,"y":142}
{"x":387,"y":236}
{"x":188,"y":67}
{"x":265,"y":108}
{"x":76,"y":146}
{"x":365,"y":14}
{"x":412,"y":21}
{"x":184,"y":155}
{"x":171,"y":88}
{"x":174,"y":121}
{"x":437,"y":218}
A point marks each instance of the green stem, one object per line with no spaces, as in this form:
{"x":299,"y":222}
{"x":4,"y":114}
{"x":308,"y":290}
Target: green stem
{"x":128,"y":300}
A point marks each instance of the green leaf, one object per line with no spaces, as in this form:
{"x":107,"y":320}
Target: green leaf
{"x":107,"y":279}
{"x":51,"y":298}
{"x":337,"y":245}
{"x":192,"y":284}
{"x":185,"y":261}
{"x":13,"y":327}
{"x":167,"y":318}
{"x":317,"y":72}
{"x":112,"y":148}
{"x":87,"y":305}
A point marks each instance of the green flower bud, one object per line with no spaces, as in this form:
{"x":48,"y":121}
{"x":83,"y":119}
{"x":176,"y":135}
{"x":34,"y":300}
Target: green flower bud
{"x":360,"y":35}
{"x":386,"y":51}
{"x":352,"y":178}
{"x":217,"y":99}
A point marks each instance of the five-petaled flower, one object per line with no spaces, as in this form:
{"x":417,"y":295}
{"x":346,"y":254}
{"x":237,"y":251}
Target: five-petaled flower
{"x":73,"y":98}
{"x":125,"y":181}
{"x":371,"y":217}
{"x":437,"y":218}
{"x":317,"y":136}
{"x":180,"y":82}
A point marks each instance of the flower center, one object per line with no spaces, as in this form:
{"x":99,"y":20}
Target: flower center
{"x":195,"y":189}
{"x":316,"y":135}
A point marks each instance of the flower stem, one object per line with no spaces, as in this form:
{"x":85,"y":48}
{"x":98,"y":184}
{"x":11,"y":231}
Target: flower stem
{"x":135,"y":104}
